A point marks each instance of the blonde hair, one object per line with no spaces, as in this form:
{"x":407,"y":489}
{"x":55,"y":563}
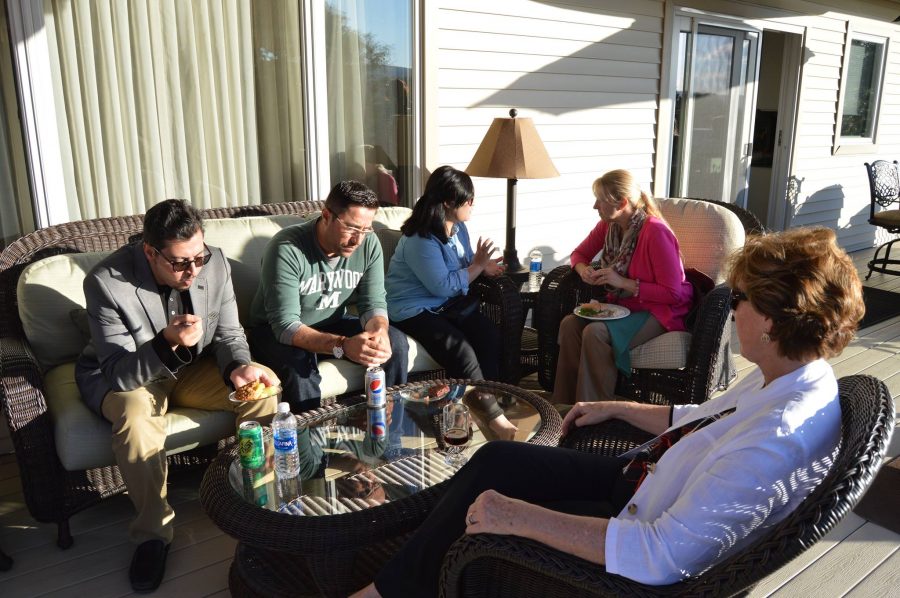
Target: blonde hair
{"x":616,"y":184}
{"x":806,"y":284}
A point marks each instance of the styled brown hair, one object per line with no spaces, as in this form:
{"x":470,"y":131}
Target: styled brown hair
{"x":806,"y":284}
{"x":616,"y":184}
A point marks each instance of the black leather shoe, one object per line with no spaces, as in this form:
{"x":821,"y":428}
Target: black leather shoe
{"x":148,"y":565}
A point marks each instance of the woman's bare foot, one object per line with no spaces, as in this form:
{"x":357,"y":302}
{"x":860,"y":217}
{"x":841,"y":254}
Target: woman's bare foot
{"x":503,"y":428}
{"x":367,"y":592}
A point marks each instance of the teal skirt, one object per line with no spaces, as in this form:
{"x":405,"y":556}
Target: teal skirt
{"x":621,"y":332}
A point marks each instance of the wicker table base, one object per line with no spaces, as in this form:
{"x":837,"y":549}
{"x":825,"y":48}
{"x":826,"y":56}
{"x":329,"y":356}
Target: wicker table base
{"x":279,"y":554}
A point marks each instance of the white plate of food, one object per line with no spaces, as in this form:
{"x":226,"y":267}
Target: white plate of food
{"x":425,"y":394}
{"x":601,"y":311}
{"x":254,"y":391}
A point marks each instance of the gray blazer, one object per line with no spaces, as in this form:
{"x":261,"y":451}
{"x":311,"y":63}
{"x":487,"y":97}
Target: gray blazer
{"x":125,"y":313}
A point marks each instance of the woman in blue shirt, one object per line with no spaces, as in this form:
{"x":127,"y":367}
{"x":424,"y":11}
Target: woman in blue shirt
{"x":428,"y":280}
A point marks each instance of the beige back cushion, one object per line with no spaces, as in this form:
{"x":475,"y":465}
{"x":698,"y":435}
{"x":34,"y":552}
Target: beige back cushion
{"x":51,"y":288}
{"x":48,"y":290}
{"x":244,"y":240}
{"x":707,"y":233}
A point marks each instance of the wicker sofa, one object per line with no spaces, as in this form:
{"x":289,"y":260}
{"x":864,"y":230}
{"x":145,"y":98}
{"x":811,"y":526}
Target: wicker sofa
{"x":63,"y":449}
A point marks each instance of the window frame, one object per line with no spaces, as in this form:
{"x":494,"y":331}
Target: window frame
{"x":860,"y":145}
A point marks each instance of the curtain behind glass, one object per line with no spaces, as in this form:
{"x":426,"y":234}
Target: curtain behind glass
{"x":368,"y":59}
{"x":279,"y":100}
{"x":15,"y":198}
{"x":158,"y":99}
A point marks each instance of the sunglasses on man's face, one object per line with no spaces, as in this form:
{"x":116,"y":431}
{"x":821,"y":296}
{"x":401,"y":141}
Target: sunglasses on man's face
{"x":182,"y":265}
{"x":737,"y":297}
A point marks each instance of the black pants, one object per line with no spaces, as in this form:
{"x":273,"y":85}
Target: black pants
{"x":466,"y":348}
{"x":560,"y":479}
{"x":298,"y":369}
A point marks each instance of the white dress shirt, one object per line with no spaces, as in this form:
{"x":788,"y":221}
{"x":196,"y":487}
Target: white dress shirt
{"x":717,"y":489}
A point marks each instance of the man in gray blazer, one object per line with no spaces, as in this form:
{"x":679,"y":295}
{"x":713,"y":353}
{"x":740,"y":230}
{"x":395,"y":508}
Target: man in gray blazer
{"x":164,"y":330}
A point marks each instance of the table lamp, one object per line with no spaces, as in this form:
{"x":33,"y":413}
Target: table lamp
{"x":512,"y":150}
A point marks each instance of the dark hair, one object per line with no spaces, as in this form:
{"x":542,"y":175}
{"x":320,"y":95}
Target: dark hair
{"x":347,"y":193}
{"x":171,"y":220}
{"x":446,"y":185}
{"x":806,"y":284}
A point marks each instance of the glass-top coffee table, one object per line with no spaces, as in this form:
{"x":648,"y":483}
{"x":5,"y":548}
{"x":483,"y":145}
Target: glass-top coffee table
{"x":361,"y":493}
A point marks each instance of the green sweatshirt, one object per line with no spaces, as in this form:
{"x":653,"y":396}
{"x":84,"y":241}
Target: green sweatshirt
{"x":299,"y":285}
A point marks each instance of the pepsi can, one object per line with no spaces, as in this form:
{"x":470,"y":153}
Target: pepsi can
{"x":377,"y":423}
{"x":375,"y":392}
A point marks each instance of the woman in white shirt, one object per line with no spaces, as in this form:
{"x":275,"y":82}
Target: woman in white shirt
{"x":797,"y":300}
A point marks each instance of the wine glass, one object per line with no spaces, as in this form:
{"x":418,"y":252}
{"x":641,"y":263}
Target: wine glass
{"x":456,"y":431}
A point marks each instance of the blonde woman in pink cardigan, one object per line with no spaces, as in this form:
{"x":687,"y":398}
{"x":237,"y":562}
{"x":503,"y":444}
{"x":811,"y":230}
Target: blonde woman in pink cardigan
{"x":641,"y":269}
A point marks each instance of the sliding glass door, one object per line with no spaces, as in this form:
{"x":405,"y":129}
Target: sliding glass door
{"x":715,"y":93}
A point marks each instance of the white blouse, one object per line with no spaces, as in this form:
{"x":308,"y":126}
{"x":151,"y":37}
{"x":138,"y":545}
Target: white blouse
{"x":717,"y":489}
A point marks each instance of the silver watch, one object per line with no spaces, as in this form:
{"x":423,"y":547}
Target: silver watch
{"x":338,"y":349}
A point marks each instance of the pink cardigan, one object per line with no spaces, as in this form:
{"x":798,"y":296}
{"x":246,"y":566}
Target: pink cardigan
{"x":657,"y":264}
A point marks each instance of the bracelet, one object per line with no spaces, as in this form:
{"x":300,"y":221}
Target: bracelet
{"x":637,"y":287}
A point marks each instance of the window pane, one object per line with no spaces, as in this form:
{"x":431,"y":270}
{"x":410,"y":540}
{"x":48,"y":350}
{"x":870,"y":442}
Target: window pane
{"x":368,"y":64}
{"x":861,"y":93}
{"x":711,"y":133}
{"x":197,"y":100}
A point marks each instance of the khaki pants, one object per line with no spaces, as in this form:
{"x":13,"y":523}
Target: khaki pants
{"x":139,"y":435}
{"x":586,"y":369}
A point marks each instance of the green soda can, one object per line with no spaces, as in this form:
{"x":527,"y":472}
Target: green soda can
{"x":250,"y":438}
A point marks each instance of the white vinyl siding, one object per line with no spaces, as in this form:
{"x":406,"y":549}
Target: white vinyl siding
{"x":586,"y":72}
{"x":834,"y":191}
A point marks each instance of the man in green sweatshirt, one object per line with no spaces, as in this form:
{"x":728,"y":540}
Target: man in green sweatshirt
{"x":309,"y":273}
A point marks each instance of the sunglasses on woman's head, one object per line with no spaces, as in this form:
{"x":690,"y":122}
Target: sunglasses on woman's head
{"x":736,"y":297}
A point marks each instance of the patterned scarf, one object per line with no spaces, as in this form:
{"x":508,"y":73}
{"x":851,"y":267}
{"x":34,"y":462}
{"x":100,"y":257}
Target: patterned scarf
{"x":618,"y":247}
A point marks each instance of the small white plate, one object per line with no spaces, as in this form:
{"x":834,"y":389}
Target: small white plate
{"x":607,"y":311}
{"x":231,"y":398}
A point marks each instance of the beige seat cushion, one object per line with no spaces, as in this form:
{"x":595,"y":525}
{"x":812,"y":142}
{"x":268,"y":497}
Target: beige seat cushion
{"x":83,"y":438}
{"x":667,"y":351}
{"x":341,"y":375}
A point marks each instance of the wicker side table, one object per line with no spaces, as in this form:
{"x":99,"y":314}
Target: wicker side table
{"x":337,"y":544}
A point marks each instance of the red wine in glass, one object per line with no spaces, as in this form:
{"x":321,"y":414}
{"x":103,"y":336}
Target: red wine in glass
{"x":456,"y":436}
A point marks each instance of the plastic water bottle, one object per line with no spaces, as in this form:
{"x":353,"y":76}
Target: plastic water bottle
{"x":534,"y":270}
{"x":284,"y":437}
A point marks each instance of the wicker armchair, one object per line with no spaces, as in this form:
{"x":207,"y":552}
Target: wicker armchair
{"x":489,"y":565}
{"x":708,"y":364}
{"x":52,"y":493}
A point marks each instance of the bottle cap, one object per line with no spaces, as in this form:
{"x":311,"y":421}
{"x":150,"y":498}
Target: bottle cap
{"x":284,"y":407}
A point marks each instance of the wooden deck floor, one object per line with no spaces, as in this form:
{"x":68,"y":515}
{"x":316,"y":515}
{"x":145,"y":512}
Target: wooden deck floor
{"x":858,"y":558}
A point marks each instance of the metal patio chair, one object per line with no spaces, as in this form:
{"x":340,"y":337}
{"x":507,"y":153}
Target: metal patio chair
{"x":884,"y":190}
